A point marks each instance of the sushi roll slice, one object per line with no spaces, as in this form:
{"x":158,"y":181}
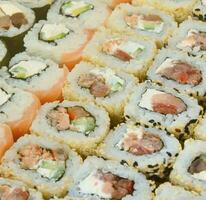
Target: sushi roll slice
{"x":145,"y":22}
{"x":6,"y":139}
{"x":17,"y":109}
{"x":199,"y":10}
{"x":114,"y":3}
{"x":167,"y":191}
{"x":15,"y":21}
{"x":105,"y":87}
{"x":80,"y":125}
{"x":41,"y":163}
{"x":4,"y":56}
{"x":100,"y":179}
{"x":181,"y":9}
{"x":55,"y":40}
{"x":190,"y":38}
{"x":190,"y":167}
{"x":88,"y":14}
{"x":175,"y":69}
{"x":40,"y":76}
{"x":151,"y":151}
{"x":16,"y":190}
{"x":200,"y":129}
{"x":163,"y":108}
{"x":121,"y":52}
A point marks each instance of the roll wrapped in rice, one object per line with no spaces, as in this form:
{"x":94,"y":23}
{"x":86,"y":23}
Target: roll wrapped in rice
{"x":151,"y":151}
{"x":4,"y":57}
{"x":11,"y":189}
{"x":88,"y":14}
{"x":80,"y":125}
{"x":121,"y":52}
{"x":167,"y":191}
{"x":42,"y":77}
{"x":41,"y":163}
{"x":199,"y":10}
{"x":145,"y":22}
{"x":177,"y":70}
{"x":113,"y":181}
{"x":190,"y":38}
{"x":103,"y":86}
{"x":163,"y":108}
{"x":15,"y":21}
{"x":190,"y":167}
{"x":55,"y":40}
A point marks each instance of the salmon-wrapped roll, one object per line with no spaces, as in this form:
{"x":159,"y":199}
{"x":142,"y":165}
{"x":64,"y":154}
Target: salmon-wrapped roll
{"x":41,"y":163}
{"x":164,"y":108}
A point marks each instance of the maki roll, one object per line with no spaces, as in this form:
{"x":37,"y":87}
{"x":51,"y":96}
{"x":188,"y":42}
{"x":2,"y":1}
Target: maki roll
{"x":100,"y":179}
{"x":15,"y":21}
{"x":163,"y":108}
{"x":164,"y":191}
{"x":151,"y":151}
{"x":177,"y":70}
{"x":45,"y":165}
{"x":80,"y":125}
{"x":40,"y":76}
{"x":3,"y":54}
{"x":190,"y":38}
{"x":55,"y":40}
{"x":16,"y":190}
{"x":121,"y":52}
{"x":17,"y":109}
{"x":199,"y":10}
{"x":190,"y":167}
{"x":103,"y":86}
{"x":200,"y":129}
{"x":145,"y":22}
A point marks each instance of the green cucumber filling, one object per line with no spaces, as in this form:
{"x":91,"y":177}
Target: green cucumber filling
{"x":101,"y":83}
{"x":50,"y":164}
{"x":75,"y":8}
{"x":27,"y":69}
{"x":74,"y":118}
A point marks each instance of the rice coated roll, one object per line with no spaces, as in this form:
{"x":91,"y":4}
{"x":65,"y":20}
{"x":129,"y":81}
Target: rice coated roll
{"x":151,"y":151}
{"x":120,"y":52}
{"x":17,"y":109}
{"x":41,"y":163}
{"x":175,"y":69}
{"x":80,"y":125}
{"x":15,"y":21}
{"x":190,"y":167}
{"x":114,"y":181}
{"x":145,"y":22}
{"x":190,"y":38}
{"x":200,"y":129}
{"x":199,"y":10}
{"x":105,"y":87}
{"x":42,"y":77}
{"x":55,"y":40}
{"x":16,"y":190}
{"x":163,"y":108}
{"x":167,"y":191}
{"x":88,"y":14}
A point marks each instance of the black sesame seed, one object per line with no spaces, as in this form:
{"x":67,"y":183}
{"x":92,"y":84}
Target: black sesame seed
{"x":151,"y":121}
{"x":123,"y":162}
{"x":197,"y":9}
{"x":178,"y":130}
{"x":135,"y":164}
{"x":146,"y":126}
{"x":169,"y":154}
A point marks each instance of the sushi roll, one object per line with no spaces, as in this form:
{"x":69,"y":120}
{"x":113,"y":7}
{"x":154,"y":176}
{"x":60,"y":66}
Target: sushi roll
{"x":105,"y":87}
{"x":190,"y":166}
{"x":175,"y":69}
{"x":190,"y":38}
{"x":114,"y":3}
{"x":80,"y":125}
{"x":15,"y":21}
{"x":17,"y":109}
{"x":199,"y":10}
{"x":121,"y":52}
{"x":145,"y":22}
{"x":100,"y":179}
{"x":163,"y":108}
{"x":151,"y":151}
{"x":167,"y":191}
{"x":41,"y":163}
{"x":200,"y":129}
{"x":16,"y":190}
{"x":55,"y":40}
{"x":4,"y":56}
{"x":40,"y":76}
{"x":181,"y":9}
{"x":88,"y":14}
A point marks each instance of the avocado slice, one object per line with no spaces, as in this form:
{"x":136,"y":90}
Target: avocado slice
{"x":19,"y":72}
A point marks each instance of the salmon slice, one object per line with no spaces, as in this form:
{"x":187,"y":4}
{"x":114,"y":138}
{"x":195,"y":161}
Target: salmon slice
{"x":21,"y":126}
{"x":6,"y":140}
